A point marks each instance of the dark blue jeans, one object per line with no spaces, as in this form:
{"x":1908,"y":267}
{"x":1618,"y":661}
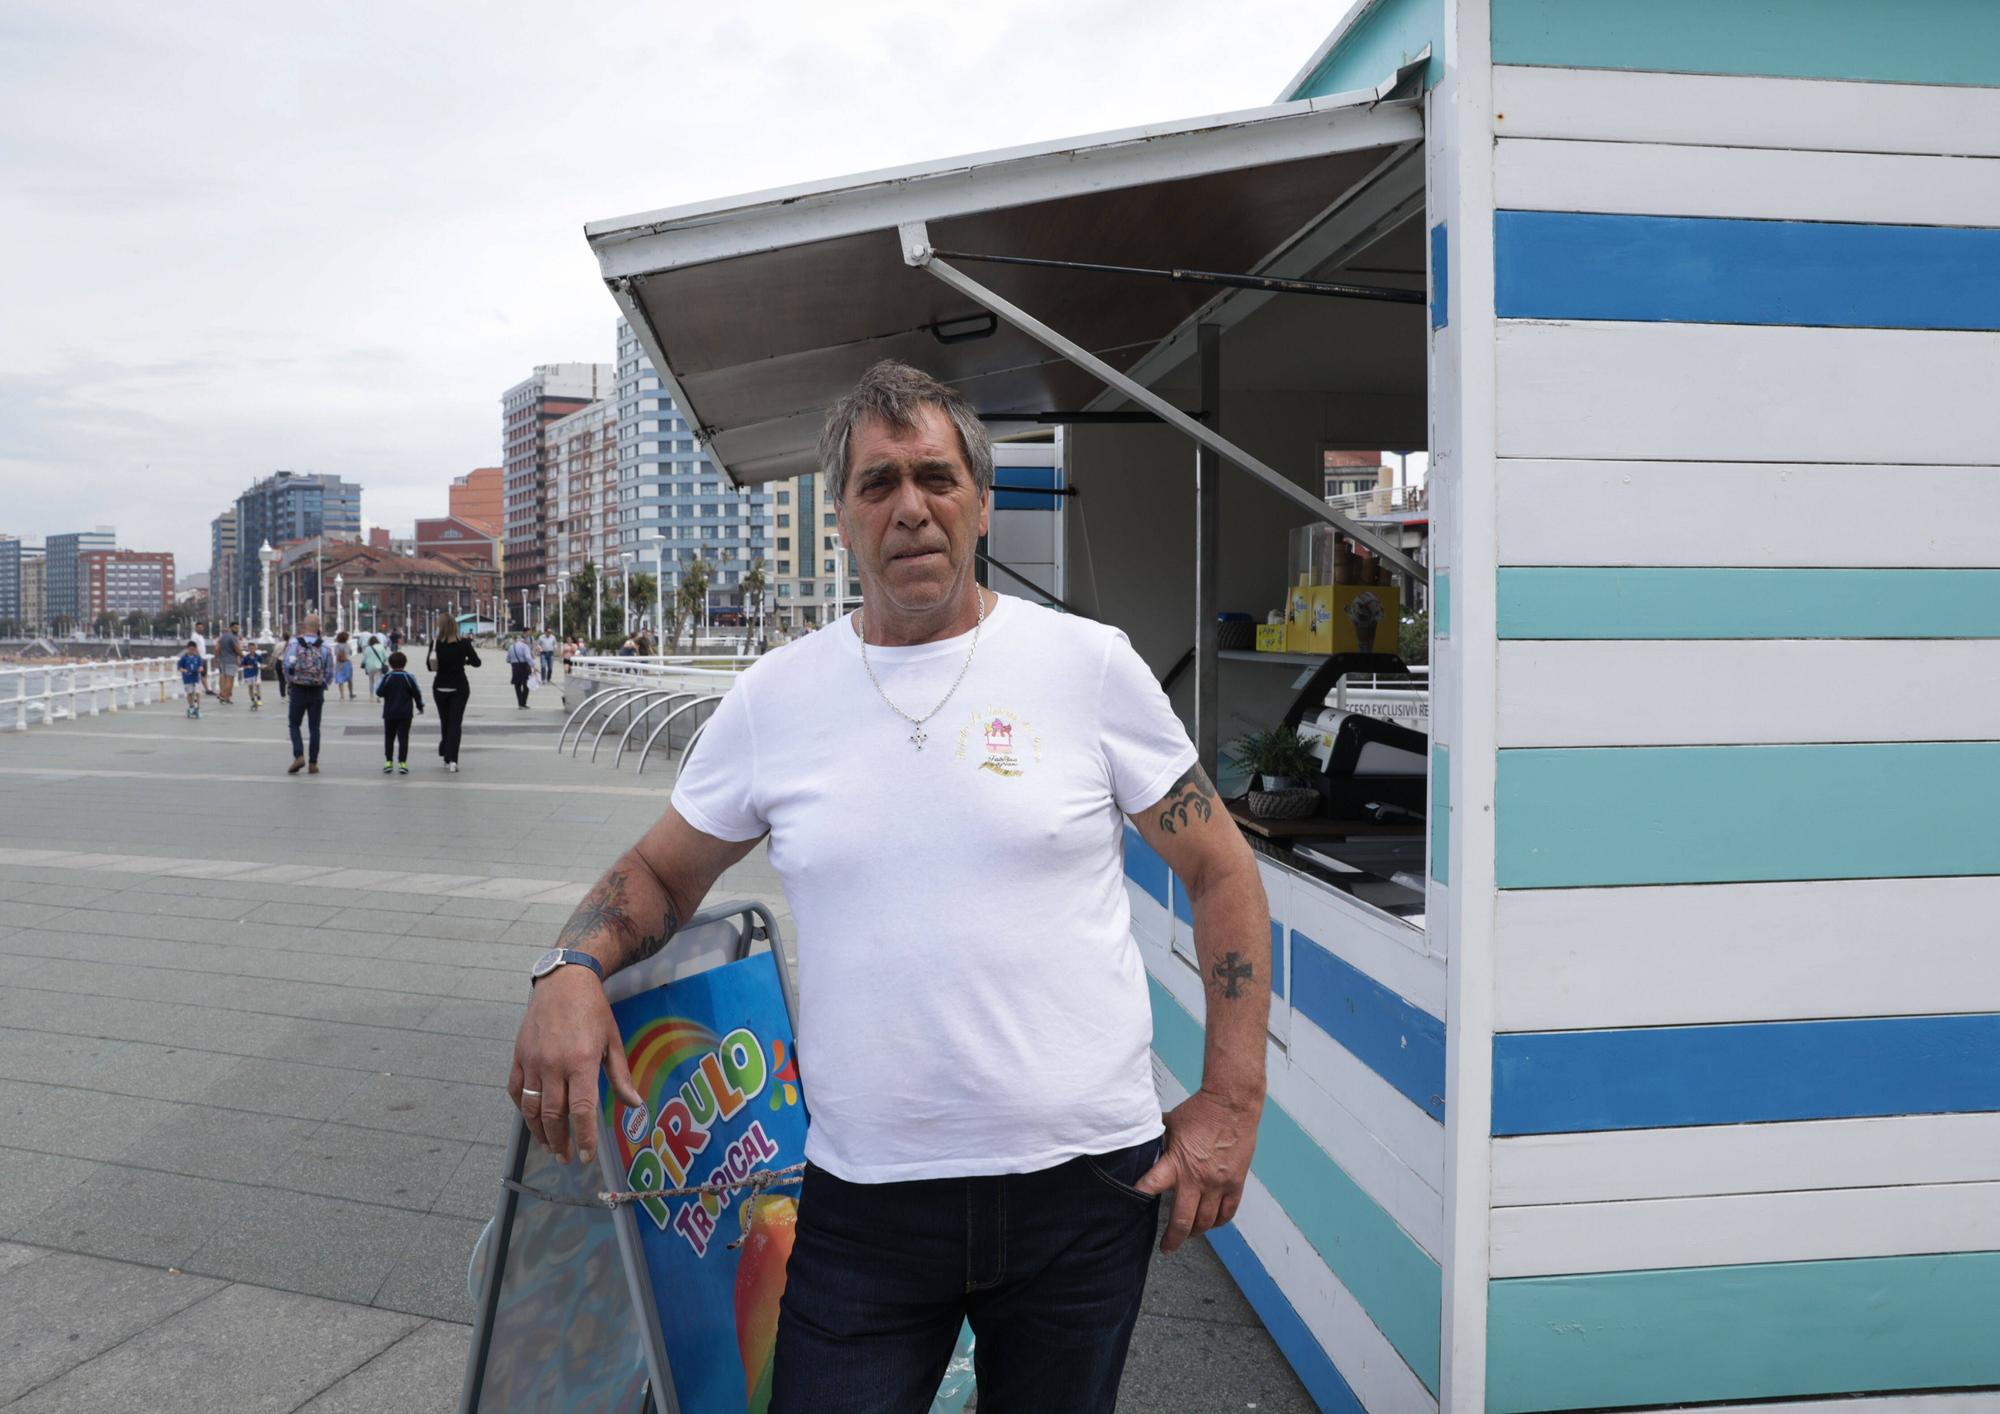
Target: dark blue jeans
{"x":307,"y":702}
{"x":1047,"y":1266}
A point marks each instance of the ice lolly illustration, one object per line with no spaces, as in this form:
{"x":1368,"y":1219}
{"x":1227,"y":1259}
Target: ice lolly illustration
{"x":1364,"y":611}
{"x":769,"y":1225}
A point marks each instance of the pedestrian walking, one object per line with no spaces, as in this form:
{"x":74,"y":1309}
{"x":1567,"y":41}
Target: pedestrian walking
{"x":308,"y":667}
{"x":1026,"y":1192}
{"x":395,"y":638}
{"x":193,"y":673}
{"x":374,"y":662}
{"x":521,"y":662}
{"x":343,"y":668}
{"x":201,"y":640}
{"x":569,"y":651}
{"x":274,"y":662}
{"x":228,"y":660}
{"x":252,"y":668}
{"x":546,"y":645}
{"x":447,"y":660}
{"x":400,"y":696}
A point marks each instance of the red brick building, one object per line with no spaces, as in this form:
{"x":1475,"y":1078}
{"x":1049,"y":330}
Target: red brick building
{"x":117,"y":582}
{"x":459,"y":539}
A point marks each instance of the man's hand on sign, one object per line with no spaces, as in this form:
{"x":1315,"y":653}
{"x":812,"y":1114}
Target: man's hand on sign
{"x":1204,"y":1163}
{"x":567,"y":1035}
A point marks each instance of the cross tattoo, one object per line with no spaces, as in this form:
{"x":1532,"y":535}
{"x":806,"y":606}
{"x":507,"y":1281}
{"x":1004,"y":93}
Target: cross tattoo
{"x":1232,"y":970}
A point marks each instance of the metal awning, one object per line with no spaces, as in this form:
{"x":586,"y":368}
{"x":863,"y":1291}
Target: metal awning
{"x":758,"y":311}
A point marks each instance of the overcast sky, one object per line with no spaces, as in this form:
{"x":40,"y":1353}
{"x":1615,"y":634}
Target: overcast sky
{"x":244,"y":236}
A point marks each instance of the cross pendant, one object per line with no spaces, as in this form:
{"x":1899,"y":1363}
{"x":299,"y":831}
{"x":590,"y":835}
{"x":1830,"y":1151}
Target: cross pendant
{"x":918,"y":738}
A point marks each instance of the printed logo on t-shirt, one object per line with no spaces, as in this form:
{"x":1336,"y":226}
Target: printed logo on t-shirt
{"x":1000,"y":740}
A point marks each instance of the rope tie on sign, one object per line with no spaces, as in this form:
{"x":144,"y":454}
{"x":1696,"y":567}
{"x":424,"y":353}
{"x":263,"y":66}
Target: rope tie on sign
{"x":756,"y":1182}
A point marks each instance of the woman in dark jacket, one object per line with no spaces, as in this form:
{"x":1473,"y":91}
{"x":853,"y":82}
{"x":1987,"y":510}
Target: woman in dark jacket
{"x":449,"y":656}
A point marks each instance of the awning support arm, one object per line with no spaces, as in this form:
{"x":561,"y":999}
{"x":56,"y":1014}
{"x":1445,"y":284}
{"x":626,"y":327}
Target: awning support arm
{"x":917,"y":252}
{"x":1272,"y":284}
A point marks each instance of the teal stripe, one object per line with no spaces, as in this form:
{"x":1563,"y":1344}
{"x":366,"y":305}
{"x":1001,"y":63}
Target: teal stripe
{"x":1388,"y":36}
{"x":1441,"y":604}
{"x":1441,"y":814}
{"x":1543,"y":602}
{"x":1396,"y":1282}
{"x":1910,"y":41}
{"x":1716,"y":814}
{"x":1778,"y":1330}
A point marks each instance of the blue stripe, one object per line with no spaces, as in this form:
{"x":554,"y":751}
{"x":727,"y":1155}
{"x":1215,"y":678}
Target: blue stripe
{"x":1440,"y":277}
{"x":1024,"y":501}
{"x":1560,"y":1082}
{"x":1909,"y":41}
{"x":1709,"y":270}
{"x":1736,"y":814}
{"x":1144,"y":867}
{"x":1277,"y":958}
{"x":1619,"y":602}
{"x":1183,"y":906}
{"x":1308,"y":1358}
{"x":1400,"y":1042}
{"x":1025,"y":478}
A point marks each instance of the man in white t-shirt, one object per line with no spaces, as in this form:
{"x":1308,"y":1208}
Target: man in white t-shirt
{"x":945,"y":778}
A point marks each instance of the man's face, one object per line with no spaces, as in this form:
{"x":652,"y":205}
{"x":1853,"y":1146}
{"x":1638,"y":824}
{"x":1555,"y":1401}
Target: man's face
{"x":911,"y":515}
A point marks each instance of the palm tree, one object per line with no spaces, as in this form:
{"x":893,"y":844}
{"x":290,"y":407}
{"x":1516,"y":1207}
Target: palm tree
{"x":695,"y":574}
{"x":753,"y":597}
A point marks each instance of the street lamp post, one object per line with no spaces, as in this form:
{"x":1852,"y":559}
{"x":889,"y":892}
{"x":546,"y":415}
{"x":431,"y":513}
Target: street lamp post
{"x":659,"y":592}
{"x":562,"y":599}
{"x":267,"y":557}
{"x":625,"y":591}
{"x":597,"y":603}
{"x":339,"y":601}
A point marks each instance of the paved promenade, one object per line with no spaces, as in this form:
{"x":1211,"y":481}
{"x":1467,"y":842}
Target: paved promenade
{"x":253,"y":1033}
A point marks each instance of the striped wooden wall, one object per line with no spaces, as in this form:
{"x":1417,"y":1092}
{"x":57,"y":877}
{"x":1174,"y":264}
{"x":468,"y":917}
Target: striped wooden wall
{"x":1340,"y":1238}
{"x":1746,"y":998}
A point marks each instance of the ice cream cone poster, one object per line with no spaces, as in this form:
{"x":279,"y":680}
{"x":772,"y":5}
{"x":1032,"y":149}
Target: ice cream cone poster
{"x":712,"y":1055}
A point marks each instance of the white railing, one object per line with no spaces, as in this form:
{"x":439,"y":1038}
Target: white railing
{"x":35,"y":693}
{"x":1395,"y":699}
{"x":711,"y":666}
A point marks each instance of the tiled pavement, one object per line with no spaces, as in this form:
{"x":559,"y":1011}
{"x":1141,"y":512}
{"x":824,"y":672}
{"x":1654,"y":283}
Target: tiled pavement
{"x":253,"y":1029}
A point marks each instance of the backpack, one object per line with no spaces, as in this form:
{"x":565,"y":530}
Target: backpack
{"x":309,"y":665}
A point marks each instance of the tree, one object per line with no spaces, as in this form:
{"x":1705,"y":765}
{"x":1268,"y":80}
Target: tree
{"x":695,"y":575}
{"x":753,"y":594}
{"x":577,"y":604}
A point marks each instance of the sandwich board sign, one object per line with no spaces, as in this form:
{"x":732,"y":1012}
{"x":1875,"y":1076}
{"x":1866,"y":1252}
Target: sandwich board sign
{"x":663,"y":1305}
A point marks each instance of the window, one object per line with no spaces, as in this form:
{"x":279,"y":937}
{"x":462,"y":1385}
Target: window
{"x":784,"y":542}
{"x":806,"y":589}
{"x":784,"y":498}
{"x":784,"y":567}
{"x":827,"y":568}
{"x":829,"y":543}
{"x":832,"y":519}
{"x":784,"y":521}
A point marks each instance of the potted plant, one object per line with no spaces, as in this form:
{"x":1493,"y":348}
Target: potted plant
{"x":1281,"y":769}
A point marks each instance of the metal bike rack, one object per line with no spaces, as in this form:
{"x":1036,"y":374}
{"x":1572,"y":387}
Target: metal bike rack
{"x":667,"y":697}
{"x":688,"y":750}
{"x":609,"y":702}
{"x":654,"y":691}
{"x":667,"y":722}
{"x":583,"y":707}
{"x":631,"y":699}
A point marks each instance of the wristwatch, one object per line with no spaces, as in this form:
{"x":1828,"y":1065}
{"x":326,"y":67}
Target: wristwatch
{"x":559,"y":957}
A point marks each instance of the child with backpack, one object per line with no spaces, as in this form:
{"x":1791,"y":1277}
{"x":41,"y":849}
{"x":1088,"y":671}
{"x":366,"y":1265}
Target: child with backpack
{"x":400,"y":694}
{"x":193,"y":671}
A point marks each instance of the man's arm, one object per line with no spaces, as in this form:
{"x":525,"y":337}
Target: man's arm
{"x":569,"y":1031}
{"x":1211,"y":1135}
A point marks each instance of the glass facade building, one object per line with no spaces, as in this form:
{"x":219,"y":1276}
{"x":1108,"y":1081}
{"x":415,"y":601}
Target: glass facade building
{"x":285,"y":506}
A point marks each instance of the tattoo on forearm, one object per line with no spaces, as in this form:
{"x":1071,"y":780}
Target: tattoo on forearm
{"x":1191,"y":795}
{"x":604,"y":910}
{"x":1231,"y":972}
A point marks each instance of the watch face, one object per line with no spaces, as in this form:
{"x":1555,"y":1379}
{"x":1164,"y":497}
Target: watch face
{"x":546,"y":963}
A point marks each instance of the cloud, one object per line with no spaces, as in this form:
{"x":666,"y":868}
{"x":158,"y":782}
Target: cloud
{"x":327,"y":236}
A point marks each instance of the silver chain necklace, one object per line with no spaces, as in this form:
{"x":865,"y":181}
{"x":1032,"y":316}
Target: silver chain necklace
{"x":917,"y":734}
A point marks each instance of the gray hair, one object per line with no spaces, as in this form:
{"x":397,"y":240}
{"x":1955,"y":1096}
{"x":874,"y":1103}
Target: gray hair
{"x":893,"y":392}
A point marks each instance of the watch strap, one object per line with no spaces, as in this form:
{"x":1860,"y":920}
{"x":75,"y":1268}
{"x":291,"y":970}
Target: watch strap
{"x":568,"y":956}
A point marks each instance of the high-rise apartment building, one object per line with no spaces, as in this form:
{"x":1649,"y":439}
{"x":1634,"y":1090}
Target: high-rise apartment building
{"x":34,"y":589}
{"x":674,"y":505}
{"x":65,"y":574}
{"x":552,"y":391}
{"x":480,"y":498}
{"x":10,"y":584}
{"x":117,"y":582}
{"x":286,"y":506}
{"x":223,"y":590}
{"x":583,"y":488}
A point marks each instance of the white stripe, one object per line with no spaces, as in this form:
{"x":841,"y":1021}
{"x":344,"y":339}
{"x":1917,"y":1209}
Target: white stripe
{"x":1618,"y":1165}
{"x":1654,"y":955}
{"x":1744,"y":1228}
{"x":1988,"y":1403}
{"x":1387,"y":949}
{"x":1655,"y":179}
{"x":509,"y":887}
{"x":1397,"y":1149}
{"x":1363,"y":1355}
{"x":1673,"y":692}
{"x":1747,"y":513}
{"x":1149,"y":915}
{"x":1617,"y":105}
{"x":1724,"y":392}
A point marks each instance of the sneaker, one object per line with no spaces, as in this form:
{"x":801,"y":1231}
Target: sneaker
{"x":403,"y":769}
{"x":387,"y":767}
{"x":197,"y":714}
{"x":451,"y":766}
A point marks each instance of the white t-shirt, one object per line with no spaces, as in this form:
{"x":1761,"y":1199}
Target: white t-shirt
{"x":970,"y":997}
